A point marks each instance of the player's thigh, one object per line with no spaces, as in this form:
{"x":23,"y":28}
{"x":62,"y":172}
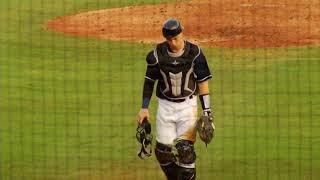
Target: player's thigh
{"x":186,"y":126}
{"x":166,"y":128}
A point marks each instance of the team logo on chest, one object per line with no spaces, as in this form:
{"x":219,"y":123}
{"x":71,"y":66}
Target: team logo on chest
{"x":175,"y":62}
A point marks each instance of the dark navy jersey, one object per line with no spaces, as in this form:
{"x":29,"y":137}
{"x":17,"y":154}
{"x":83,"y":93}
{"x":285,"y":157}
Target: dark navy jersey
{"x":177,"y":76}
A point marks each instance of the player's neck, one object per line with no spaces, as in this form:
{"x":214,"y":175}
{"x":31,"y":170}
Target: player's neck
{"x":178,"y":49}
{"x":176,"y":54}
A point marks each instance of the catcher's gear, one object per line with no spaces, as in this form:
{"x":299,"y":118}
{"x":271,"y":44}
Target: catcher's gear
{"x":170,"y":171}
{"x":186,"y":173}
{"x":144,"y":137}
{"x":175,"y":172}
{"x":205,"y":126}
{"x":177,"y":70}
{"x":185,"y":152}
{"x":164,"y":154}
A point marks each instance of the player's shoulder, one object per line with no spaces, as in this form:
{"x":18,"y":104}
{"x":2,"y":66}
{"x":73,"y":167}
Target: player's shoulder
{"x":194,"y":49}
{"x":151,"y":58}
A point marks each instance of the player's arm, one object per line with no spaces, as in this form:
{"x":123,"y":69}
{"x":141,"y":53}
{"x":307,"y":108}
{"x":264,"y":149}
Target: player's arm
{"x":150,"y":77}
{"x":204,"y":96}
{"x":146,"y":97}
{"x":205,"y":125}
{"x":203,"y":75}
{"x":203,"y":87}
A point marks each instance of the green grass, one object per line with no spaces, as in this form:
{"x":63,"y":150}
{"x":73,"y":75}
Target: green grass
{"x":68,"y":104}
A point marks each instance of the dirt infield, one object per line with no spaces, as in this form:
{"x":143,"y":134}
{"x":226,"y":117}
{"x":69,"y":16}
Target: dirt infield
{"x":224,"y":23}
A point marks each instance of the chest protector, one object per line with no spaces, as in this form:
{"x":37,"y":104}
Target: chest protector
{"x":177,"y":79}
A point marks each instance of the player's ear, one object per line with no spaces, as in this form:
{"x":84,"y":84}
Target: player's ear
{"x":181,"y":35}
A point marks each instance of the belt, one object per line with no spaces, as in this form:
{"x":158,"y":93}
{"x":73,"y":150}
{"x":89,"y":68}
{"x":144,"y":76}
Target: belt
{"x":179,"y":100}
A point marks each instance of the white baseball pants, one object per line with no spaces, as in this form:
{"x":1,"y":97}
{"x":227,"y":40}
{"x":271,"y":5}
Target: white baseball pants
{"x":176,"y":120}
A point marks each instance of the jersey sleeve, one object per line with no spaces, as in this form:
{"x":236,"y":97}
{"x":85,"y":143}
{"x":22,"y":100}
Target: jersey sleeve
{"x":201,"y":68}
{"x":152,"y":72}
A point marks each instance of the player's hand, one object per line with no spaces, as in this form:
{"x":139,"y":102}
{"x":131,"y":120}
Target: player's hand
{"x":143,"y":113}
{"x":205,"y":126}
{"x":209,"y":113}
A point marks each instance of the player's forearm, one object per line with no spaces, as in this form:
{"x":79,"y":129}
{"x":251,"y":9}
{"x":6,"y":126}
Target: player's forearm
{"x":204,"y":95}
{"x":147,"y":93}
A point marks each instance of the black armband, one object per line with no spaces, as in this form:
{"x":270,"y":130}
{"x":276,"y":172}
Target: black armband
{"x":205,"y":101}
{"x":147,"y":92}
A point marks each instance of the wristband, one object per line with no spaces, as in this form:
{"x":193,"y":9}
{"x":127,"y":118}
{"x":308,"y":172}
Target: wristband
{"x":145,"y":102}
{"x":205,"y":101}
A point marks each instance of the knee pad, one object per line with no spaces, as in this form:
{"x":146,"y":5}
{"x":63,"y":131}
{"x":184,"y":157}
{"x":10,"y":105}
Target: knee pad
{"x":164,"y":154}
{"x":185,"y":152}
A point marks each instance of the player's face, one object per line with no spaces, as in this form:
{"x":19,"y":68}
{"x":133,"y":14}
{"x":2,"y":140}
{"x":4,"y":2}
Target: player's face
{"x":176,"y":43}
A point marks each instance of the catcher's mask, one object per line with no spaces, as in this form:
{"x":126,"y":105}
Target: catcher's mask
{"x":144,"y":137}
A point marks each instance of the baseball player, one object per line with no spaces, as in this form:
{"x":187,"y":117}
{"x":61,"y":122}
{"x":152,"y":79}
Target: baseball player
{"x":181,"y":71}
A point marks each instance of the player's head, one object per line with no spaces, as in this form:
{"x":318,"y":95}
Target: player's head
{"x":171,"y":28}
{"x":172,"y":31}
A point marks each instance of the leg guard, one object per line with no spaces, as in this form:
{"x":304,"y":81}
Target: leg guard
{"x":185,"y":153}
{"x":171,"y":171}
{"x":175,"y":172}
{"x":164,"y":154}
{"x":166,"y":160}
{"x":186,"y":173}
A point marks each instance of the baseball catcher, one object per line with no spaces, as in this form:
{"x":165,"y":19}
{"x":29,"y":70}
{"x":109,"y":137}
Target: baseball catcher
{"x":181,"y":72}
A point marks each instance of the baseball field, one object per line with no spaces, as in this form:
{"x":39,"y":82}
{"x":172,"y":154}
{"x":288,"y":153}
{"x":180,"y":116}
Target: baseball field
{"x":71,"y":75}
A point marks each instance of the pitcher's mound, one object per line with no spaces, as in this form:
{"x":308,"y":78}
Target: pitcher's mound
{"x":225,"y":23}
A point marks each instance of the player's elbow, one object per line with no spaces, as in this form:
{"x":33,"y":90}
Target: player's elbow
{"x":203,"y":87}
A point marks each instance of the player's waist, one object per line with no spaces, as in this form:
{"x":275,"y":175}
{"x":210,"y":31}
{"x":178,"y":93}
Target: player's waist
{"x":177,"y":100}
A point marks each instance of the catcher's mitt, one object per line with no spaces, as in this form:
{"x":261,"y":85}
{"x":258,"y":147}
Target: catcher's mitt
{"x":144,"y":137}
{"x":205,"y":127}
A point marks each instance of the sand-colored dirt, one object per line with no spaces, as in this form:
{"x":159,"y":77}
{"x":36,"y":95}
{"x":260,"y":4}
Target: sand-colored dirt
{"x":222,"y":23}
